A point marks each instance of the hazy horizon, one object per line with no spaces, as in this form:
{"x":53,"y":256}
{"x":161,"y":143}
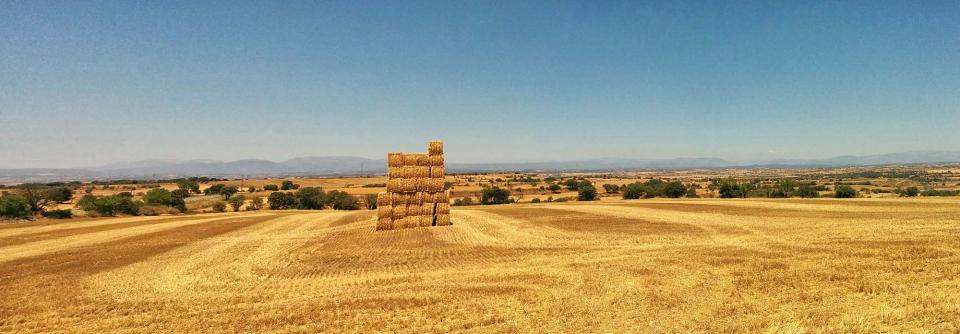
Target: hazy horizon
{"x":87,"y":85}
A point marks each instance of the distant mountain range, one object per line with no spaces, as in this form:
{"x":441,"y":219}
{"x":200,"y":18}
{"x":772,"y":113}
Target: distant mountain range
{"x":342,"y":165}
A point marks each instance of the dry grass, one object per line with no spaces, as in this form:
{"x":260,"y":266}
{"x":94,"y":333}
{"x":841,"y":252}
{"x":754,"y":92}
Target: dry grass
{"x":639,"y":266}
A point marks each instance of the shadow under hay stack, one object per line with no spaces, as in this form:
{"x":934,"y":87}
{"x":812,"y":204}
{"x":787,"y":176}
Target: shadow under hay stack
{"x":415,"y":195}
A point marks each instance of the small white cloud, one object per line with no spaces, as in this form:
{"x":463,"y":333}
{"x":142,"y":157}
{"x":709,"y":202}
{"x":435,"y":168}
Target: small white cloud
{"x":772,"y":151}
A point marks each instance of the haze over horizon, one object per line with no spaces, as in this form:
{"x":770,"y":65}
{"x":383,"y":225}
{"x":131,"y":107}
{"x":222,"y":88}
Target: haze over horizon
{"x":87,"y":85}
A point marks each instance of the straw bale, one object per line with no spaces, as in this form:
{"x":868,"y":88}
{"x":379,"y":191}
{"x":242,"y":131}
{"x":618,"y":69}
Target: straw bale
{"x":399,"y":211}
{"x":384,"y":211}
{"x":437,"y":171}
{"x":431,"y":185}
{"x":395,"y":185}
{"x":443,"y":209}
{"x":394,"y":172}
{"x":383,"y":198}
{"x":443,"y":220}
{"x":435,"y":147}
{"x":440,"y":197}
{"x":395,"y":159}
{"x":436,"y":160}
{"x":426,"y":221}
{"x":384,"y":224}
{"x":415,"y":172}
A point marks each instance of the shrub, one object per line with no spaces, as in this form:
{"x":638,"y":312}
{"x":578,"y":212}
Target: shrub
{"x":493,"y":196}
{"x":940,"y":193}
{"x":310,"y":198}
{"x":281,"y":200}
{"x":286,"y":185}
{"x":371,"y":200}
{"x":58,"y":214}
{"x":555,"y":188}
{"x":219,"y":207}
{"x":255,"y":204}
{"x":633,"y":191}
{"x":535,"y":200}
{"x":463,"y":202}
{"x":236,"y":202}
{"x":611,"y":188}
{"x":732,"y":189}
{"x":586,"y":193}
{"x":807,"y":191}
{"x":59,"y":194}
{"x":572,"y":184}
{"x":910,"y":192}
{"x":35,"y":195}
{"x":160,"y":196}
{"x":252,"y":189}
{"x":156,"y":210}
{"x":121,"y":203}
{"x":189,"y":185}
{"x":274,"y":187}
{"x":14,"y":206}
{"x":845,"y":191}
{"x":692,"y":193}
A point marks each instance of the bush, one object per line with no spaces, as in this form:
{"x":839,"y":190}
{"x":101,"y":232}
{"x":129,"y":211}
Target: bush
{"x":13,"y":206}
{"x":611,"y":188}
{"x":219,"y":207}
{"x":121,"y":203}
{"x":58,"y":214}
{"x":286,"y":185}
{"x":940,"y":193}
{"x":692,"y":193}
{"x":494,"y":196}
{"x":572,"y":184}
{"x":807,"y":191}
{"x":188,"y":186}
{"x":371,"y":200}
{"x":731,"y":189}
{"x":910,"y":192}
{"x":586,"y":193}
{"x":463,"y":202}
{"x":535,"y":200}
{"x":845,"y":191}
{"x":252,"y":190}
{"x":633,"y":191}
{"x":555,"y":188}
{"x":59,"y":194}
{"x":281,"y":201}
{"x":255,"y":204}
{"x":236,"y":202}
{"x":274,"y":187}
{"x":156,"y":210}
{"x":163,"y":197}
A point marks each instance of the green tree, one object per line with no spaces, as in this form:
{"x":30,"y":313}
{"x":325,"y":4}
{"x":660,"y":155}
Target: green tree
{"x":271,"y":187}
{"x":493,"y":196}
{"x":112,"y":205}
{"x":371,"y":200}
{"x":586,"y":193}
{"x":572,"y":184}
{"x":236,"y":202}
{"x":674,"y":189}
{"x":910,"y":192}
{"x":340,"y":200}
{"x":310,"y":198}
{"x":286,"y":185}
{"x":158,"y":196}
{"x":281,"y":200}
{"x":14,"y":206}
{"x":807,"y":191}
{"x":555,"y":188}
{"x":611,"y":188}
{"x":252,"y":189}
{"x":35,"y":195}
{"x":189,"y":185}
{"x":845,"y":191}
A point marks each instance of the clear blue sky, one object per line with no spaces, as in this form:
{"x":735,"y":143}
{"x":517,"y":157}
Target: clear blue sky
{"x":86,"y":83}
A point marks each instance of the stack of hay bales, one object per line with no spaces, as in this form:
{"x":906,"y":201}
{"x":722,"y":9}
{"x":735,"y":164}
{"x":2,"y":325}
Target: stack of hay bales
{"x":415,"y":195}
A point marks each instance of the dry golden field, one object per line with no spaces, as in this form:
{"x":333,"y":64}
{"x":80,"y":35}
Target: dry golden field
{"x":705,"y":265}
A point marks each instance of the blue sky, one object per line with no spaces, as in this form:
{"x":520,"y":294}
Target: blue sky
{"x":87,"y":83}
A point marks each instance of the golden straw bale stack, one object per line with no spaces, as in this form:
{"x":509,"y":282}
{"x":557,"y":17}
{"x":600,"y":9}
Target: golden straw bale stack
{"x":383,"y":198}
{"x":435,"y":147}
{"x":443,"y":208}
{"x":443,"y":220}
{"x":399,"y":211}
{"x":410,"y":185}
{"x":436,"y":171}
{"x":407,"y":222}
{"x":384,"y":211}
{"x":422,"y":197}
{"x":395,"y":159}
{"x":413,"y":210}
{"x":384,"y":224}
{"x":436,"y":160}
{"x":415,"y":159}
{"x":400,"y":198}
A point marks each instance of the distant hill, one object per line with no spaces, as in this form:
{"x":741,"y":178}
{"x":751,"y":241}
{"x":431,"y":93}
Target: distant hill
{"x":343,"y":165}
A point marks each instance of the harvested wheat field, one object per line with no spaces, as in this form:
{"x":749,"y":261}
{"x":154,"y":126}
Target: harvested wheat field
{"x":793,"y":266}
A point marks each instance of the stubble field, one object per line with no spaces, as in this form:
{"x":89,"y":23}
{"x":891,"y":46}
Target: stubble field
{"x":794,"y":266}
